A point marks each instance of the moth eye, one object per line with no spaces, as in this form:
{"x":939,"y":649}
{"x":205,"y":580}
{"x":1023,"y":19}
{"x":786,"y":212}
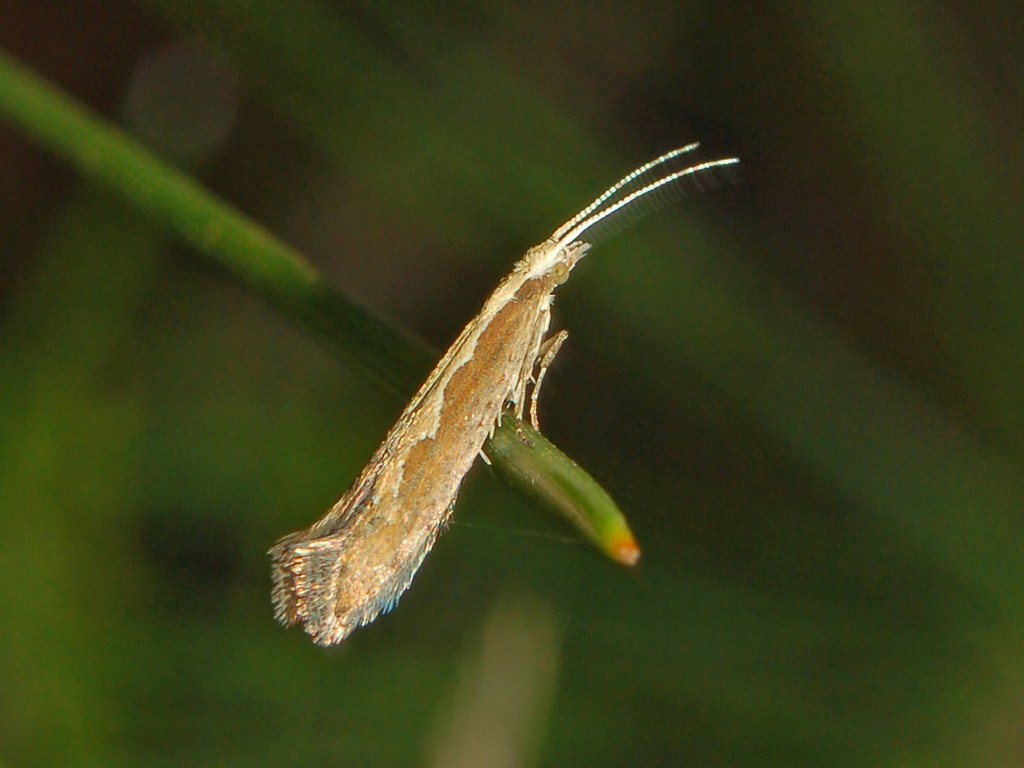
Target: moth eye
{"x":560,"y":273}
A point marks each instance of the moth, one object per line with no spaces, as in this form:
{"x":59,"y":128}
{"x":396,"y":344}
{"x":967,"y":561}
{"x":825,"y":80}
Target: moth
{"x":357,"y":560}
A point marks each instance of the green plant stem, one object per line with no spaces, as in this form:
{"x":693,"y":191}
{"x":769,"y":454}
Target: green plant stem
{"x":282,"y":277}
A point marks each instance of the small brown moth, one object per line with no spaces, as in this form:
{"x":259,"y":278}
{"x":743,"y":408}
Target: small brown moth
{"x":358,"y":559}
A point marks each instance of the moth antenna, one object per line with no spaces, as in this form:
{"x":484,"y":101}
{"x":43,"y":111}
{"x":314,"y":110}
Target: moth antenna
{"x":633,"y":178}
{"x":658,"y":194}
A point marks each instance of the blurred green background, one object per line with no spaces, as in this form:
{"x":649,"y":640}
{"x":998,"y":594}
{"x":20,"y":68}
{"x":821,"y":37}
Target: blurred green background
{"x":805,"y":391}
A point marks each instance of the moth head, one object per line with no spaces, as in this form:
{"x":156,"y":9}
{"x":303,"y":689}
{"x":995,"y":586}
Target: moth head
{"x":568,"y":256}
{"x":554,"y":260}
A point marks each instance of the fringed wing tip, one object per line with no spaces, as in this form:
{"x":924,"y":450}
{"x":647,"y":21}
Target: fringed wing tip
{"x":310,"y":588}
{"x":282,"y":594}
{"x":301,"y":570}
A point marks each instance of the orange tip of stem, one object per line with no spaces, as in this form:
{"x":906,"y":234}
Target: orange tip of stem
{"x":624,"y":549}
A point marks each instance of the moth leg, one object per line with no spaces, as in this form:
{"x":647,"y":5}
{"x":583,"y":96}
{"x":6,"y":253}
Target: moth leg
{"x":545,"y":357}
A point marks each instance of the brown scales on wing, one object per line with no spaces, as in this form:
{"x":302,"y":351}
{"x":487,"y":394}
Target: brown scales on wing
{"x":357,"y":561}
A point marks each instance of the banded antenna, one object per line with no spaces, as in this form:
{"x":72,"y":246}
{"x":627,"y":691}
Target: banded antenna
{"x":635,"y":178}
{"x":659,"y":193}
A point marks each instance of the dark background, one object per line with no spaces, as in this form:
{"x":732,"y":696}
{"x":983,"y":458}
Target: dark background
{"x":805,"y":391}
